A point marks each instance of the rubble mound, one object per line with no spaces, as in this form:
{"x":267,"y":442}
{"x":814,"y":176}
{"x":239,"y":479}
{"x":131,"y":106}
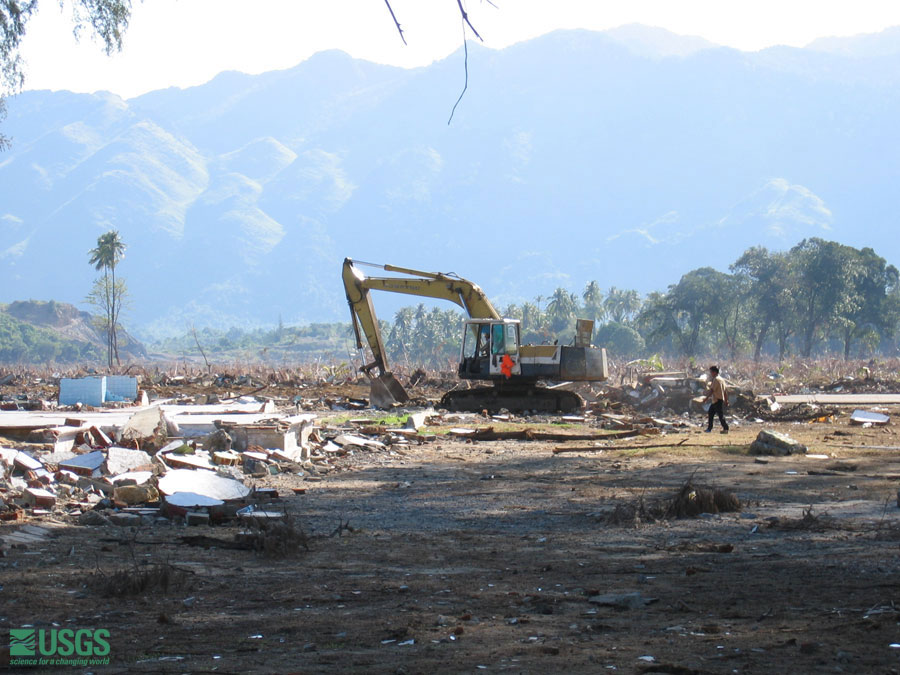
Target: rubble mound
{"x":775,"y":443}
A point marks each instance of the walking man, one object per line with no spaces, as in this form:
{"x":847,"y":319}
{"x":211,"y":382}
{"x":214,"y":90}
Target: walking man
{"x":719,"y":396}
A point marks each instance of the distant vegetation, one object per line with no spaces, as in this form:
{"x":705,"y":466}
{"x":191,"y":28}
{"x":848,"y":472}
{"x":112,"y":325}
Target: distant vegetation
{"x":291,"y":344}
{"x":820,"y":297}
{"x":22,"y":342}
{"x":33,"y":331}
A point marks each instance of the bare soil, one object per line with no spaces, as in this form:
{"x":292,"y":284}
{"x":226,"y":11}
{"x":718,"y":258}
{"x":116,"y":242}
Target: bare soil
{"x":485,"y":557}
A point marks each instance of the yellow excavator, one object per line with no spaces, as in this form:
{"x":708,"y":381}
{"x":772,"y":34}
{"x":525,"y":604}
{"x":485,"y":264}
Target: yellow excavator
{"x":490,"y":351}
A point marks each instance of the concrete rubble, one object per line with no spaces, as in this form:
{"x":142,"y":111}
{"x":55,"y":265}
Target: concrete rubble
{"x":124,"y":467}
{"x":774,"y":443}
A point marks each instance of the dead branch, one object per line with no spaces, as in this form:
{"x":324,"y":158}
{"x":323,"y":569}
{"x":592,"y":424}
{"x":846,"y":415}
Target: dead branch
{"x":394,"y":17}
{"x":595,"y":448}
{"x":465,"y":67}
{"x":203,"y":353}
{"x":489,"y":434}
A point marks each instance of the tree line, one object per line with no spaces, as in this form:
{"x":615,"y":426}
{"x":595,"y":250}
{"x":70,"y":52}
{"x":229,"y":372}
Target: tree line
{"x":818,"y":297}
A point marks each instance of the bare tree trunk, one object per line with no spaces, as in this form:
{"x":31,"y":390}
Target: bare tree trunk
{"x":107,"y":293}
{"x":115,"y":317}
{"x":202,"y":353}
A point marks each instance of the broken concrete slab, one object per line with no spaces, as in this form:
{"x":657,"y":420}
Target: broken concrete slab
{"x":774,"y":443}
{"x":198,"y":460}
{"x":869,"y":417}
{"x":8,"y":456}
{"x":25,"y":461}
{"x":85,"y":465}
{"x":39,"y":497}
{"x":206,"y":483}
{"x":25,"y":536}
{"x":147,"y":428}
{"x":58,"y":456}
{"x":417,"y":420}
{"x":192,"y":500}
{"x":119,"y":460}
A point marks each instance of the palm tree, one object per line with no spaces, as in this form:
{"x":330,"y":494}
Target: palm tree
{"x":622,"y":305}
{"x":561,"y":310}
{"x":109,"y":251}
{"x":593,"y":301}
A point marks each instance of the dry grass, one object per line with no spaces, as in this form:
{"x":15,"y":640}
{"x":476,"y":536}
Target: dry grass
{"x":689,"y":502}
{"x":275,"y":538}
{"x":129,"y":581}
{"x":692,"y":501}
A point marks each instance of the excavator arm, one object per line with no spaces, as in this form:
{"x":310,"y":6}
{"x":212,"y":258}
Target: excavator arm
{"x":357,"y":285}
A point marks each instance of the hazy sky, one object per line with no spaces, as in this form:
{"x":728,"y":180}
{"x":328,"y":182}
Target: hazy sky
{"x":187,"y":42}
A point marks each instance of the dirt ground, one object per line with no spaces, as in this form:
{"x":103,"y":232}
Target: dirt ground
{"x":502,"y":556}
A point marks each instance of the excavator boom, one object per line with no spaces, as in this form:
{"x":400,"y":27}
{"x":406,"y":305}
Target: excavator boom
{"x":385,"y":387}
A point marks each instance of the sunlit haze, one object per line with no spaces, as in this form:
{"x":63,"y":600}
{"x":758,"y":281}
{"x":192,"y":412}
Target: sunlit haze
{"x":187,"y":42}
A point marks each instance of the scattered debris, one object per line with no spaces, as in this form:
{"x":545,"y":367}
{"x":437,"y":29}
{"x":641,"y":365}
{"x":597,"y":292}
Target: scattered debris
{"x":869,"y":417}
{"x":632,"y":600}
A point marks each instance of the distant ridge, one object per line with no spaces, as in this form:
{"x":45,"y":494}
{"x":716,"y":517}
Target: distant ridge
{"x":627,"y":157}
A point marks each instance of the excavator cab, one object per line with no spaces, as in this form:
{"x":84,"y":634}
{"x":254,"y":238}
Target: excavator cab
{"x":490,"y":349}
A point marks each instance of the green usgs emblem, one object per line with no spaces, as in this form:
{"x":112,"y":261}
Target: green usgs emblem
{"x":58,"y":646}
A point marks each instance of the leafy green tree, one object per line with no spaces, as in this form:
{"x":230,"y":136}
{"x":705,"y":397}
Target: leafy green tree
{"x":730,"y":319}
{"x":770,"y":297}
{"x":107,"y":19}
{"x":869,"y":314}
{"x":689,"y":306}
{"x":621,"y":340}
{"x":110,"y":295}
{"x":825,"y":283}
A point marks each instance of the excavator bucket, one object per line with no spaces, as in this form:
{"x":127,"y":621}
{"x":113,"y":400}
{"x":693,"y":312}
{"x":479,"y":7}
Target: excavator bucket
{"x":385,"y":390}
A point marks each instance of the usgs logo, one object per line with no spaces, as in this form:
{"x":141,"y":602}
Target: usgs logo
{"x":58,"y":646}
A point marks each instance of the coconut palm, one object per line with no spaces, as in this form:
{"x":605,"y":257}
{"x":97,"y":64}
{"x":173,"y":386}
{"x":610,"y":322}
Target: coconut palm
{"x":109,"y":251}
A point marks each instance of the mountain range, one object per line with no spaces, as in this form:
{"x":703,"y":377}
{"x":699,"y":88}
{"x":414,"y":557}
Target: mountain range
{"x":628,"y":157}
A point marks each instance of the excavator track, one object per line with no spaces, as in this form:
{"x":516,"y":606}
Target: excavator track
{"x":516,"y":399}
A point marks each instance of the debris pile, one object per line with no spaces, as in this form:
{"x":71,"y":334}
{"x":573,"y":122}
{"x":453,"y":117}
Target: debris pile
{"x":156,"y":464}
{"x":132,"y":472}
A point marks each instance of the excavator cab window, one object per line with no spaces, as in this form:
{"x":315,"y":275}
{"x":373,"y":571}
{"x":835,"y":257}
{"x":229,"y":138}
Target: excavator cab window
{"x":484,"y":339}
{"x":512,"y":338}
{"x":503,"y":339}
{"x":497,"y":342}
{"x":470,"y":348}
